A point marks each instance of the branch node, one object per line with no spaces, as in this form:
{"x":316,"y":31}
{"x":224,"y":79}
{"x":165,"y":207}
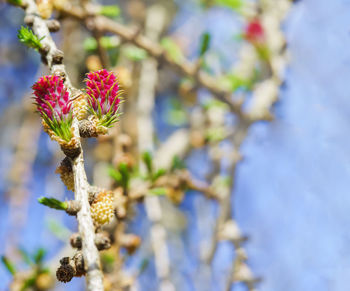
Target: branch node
{"x":102,"y":241}
{"x":76,"y":241}
{"x":71,"y":152}
{"x":87,"y":129}
{"x":73,"y":207}
{"x":29,"y":20}
{"x":57,"y":57}
{"x":53,"y":25}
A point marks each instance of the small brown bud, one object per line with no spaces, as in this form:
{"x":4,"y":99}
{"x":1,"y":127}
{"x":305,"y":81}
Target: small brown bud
{"x":130,"y":242}
{"x":66,"y":173}
{"x":71,"y":152}
{"x":29,"y":20}
{"x":65,"y":273}
{"x":102,"y":241}
{"x":93,"y":192}
{"x":79,"y":264}
{"x":64,"y":261}
{"x":87,"y":128}
{"x":44,"y":49}
{"x":43,"y":58}
{"x":73,"y":207}
{"x":76,"y":241}
{"x":53,"y":25}
{"x":57,"y":57}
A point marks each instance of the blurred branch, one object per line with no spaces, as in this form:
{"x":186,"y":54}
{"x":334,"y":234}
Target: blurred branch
{"x":154,"y":49}
{"x":155,"y":22}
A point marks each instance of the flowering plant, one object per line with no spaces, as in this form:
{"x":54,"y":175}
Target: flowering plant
{"x":54,"y":105}
{"x":102,"y":89}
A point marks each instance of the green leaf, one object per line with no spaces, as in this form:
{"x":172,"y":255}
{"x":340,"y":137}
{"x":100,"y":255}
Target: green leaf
{"x":172,"y":49}
{"x":8,"y":265}
{"x":53,"y":203}
{"x":204,"y":43}
{"x":147,"y":159}
{"x":39,"y":255}
{"x":121,"y":175}
{"x":159,"y":191}
{"x":233,"y":4}
{"x":15,"y":2}
{"x":116,"y":175}
{"x":25,"y":256}
{"x":134,"y":53}
{"x":177,"y":164}
{"x":26,"y":36}
{"x":111,"y":11}
{"x":159,"y":173}
{"x":107,"y":42}
{"x":30,"y":282}
{"x":125,"y":176}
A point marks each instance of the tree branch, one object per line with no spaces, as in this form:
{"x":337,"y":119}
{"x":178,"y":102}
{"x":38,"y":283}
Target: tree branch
{"x":54,"y":59}
{"x":154,"y":49}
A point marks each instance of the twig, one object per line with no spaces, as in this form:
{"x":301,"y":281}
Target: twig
{"x":53,"y":57}
{"x":154,"y":49}
{"x":155,"y":22}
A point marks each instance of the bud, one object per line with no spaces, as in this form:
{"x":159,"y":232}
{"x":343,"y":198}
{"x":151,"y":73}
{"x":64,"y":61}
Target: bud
{"x":80,"y":106}
{"x":66,"y":173}
{"x":55,"y":108}
{"x":65,"y":273}
{"x":254,"y":32}
{"x":102,"y":208}
{"x":103,"y":98}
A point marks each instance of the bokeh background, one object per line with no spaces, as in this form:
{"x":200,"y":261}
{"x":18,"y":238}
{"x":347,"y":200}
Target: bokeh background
{"x":291,"y":195}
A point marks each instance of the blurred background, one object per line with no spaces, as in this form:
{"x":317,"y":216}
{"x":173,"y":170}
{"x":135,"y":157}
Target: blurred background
{"x":289,"y":194}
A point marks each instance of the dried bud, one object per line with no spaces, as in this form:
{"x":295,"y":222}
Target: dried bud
{"x":78,"y":260}
{"x":29,"y":20}
{"x":76,"y":241}
{"x":102,"y":209}
{"x":130,"y":242}
{"x":71,"y":267}
{"x":53,"y":25}
{"x":57,"y":57}
{"x":103,"y":97}
{"x":87,"y":128}
{"x":176,"y":195}
{"x":73,"y":207}
{"x":65,"y":273}
{"x":66,"y":173}
{"x":43,"y":50}
{"x":102,"y":241}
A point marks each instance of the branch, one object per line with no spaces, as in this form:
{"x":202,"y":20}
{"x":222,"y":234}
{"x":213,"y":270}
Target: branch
{"x":54,"y":59}
{"x":86,"y":228}
{"x":155,"y":22}
{"x":154,"y":49}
